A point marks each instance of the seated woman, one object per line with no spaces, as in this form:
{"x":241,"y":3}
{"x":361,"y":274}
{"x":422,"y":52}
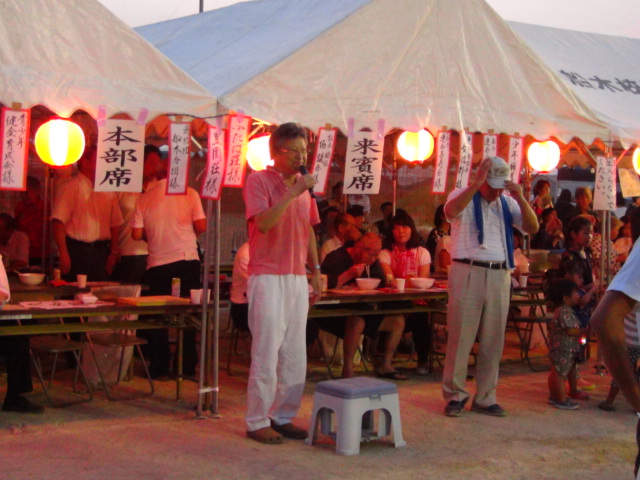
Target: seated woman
{"x":439,"y":233}
{"x":549,"y":236}
{"x":403,"y":257}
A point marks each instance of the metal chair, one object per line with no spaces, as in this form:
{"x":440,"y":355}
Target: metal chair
{"x":54,"y":345}
{"x":118,"y":340}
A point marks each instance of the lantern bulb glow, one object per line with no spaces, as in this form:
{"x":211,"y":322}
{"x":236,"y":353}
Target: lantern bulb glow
{"x":415,"y":146}
{"x":258,"y":154}
{"x":543,"y":156}
{"x":59,"y":142}
{"x":636,"y":160}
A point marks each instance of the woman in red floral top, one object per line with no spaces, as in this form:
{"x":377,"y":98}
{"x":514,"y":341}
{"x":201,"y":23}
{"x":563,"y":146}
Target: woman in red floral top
{"x":404,"y":257}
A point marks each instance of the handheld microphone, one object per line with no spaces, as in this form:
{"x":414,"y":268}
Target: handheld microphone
{"x":303,"y":171}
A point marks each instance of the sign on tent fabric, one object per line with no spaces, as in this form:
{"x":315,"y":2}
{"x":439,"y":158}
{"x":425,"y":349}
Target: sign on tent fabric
{"x":212,"y":182}
{"x":239,"y":126}
{"x":179,"y":139}
{"x":325,"y":145}
{"x":363,"y":164}
{"x":14,"y":149}
{"x":604,"y":196}
{"x":120,"y":156}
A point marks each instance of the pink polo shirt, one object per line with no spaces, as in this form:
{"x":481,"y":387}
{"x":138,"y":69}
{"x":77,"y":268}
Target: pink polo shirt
{"x":283,"y":249}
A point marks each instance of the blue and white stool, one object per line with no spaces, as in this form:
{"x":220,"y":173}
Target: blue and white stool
{"x":354,"y":401}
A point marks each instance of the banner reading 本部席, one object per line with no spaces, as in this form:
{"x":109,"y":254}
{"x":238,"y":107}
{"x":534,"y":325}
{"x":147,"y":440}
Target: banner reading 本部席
{"x":120,"y":156}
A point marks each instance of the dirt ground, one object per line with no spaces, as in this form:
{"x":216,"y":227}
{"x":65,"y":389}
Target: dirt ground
{"x":159,"y":438}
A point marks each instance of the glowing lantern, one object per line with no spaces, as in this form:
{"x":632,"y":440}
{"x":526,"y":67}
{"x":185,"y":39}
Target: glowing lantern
{"x":415,"y":146}
{"x":258,"y":154}
{"x":543,"y":156}
{"x":59,"y":142}
{"x":636,"y":160}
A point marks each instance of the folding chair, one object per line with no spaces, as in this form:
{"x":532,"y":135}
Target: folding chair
{"x":117,"y":340}
{"x":54,"y":345}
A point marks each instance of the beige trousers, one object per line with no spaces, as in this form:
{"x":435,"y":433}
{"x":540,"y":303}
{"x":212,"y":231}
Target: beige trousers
{"x":478,"y":306}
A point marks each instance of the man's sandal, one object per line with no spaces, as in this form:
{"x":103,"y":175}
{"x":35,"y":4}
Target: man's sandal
{"x":265,"y":435}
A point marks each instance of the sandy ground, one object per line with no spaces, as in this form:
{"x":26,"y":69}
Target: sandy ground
{"x":160,"y":438}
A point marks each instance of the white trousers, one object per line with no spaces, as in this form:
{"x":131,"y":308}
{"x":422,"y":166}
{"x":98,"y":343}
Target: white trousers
{"x":278,"y":309}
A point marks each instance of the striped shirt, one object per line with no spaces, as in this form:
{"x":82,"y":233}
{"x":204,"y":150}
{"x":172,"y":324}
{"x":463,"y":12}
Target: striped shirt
{"x":464,"y":233}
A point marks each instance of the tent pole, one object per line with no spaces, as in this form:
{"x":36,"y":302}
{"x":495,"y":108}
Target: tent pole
{"x":203,"y":381}
{"x":394,"y":181}
{"x":215,"y":338}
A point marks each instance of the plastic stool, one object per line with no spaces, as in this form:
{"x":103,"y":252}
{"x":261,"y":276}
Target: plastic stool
{"x":354,"y":400}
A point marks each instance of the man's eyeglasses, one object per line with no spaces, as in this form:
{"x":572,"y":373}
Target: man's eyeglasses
{"x":302,"y":153}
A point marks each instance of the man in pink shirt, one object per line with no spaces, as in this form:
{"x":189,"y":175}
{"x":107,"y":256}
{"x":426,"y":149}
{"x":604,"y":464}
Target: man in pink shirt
{"x":280,"y":216}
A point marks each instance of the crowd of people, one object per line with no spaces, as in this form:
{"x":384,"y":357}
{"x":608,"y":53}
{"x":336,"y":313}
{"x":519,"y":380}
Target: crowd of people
{"x":143,"y":238}
{"x":477,"y":240}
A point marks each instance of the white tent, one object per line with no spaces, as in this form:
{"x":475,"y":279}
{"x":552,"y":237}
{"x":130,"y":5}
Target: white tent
{"x":412,"y":63}
{"x":75,"y":54}
{"x":603,"y":70}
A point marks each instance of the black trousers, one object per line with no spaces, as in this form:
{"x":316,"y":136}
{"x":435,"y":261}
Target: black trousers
{"x":16,"y":351}
{"x":159,"y":281}
{"x":130,"y":269}
{"x":89,"y":259}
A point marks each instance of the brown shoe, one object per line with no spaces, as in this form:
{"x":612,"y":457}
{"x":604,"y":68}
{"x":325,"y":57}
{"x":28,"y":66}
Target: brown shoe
{"x":265,"y":435}
{"x":289,"y":430}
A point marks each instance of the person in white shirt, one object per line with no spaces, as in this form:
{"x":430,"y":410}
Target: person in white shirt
{"x":132,"y":254}
{"x":86,"y":224}
{"x":482,"y":220}
{"x":170,"y":224}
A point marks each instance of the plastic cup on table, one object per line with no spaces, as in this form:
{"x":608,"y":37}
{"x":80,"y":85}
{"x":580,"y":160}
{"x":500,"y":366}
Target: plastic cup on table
{"x":82,"y":281}
{"x":522,"y":280}
{"x":400,"y":284}
{"x":196,"y":296}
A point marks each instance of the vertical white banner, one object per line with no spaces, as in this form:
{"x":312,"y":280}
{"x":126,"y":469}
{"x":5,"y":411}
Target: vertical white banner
{"x":442,"y":163}
{"x":178,"y":174}
{"x":604,"y":197}
{"x":14,"y":149}
{"x":326,"y":142}
{"x":212,"y":182}
{"x":363,"y":165}
{"x":120,"y":156}
{"x":515,"y":157}
{"x":489,"y":145}
{"x":239,"y":127}
{"x":466,"y":157}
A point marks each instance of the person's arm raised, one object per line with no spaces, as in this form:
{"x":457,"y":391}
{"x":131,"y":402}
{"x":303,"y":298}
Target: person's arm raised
{"x":454,"y":206}
{"x":529,"y":218}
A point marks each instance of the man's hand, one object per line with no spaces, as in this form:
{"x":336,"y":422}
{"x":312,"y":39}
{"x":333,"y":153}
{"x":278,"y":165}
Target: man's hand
{"x":482,"y":172}
{"x":65,"y":263}
{"x":112,"y":259}
{"x":316,"y":284}
{"x":305,"y":182}
{"x":514,"y":189}
{"x":356,"y":270}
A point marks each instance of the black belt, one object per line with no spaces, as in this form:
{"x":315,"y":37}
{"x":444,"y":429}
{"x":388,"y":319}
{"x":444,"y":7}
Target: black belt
{"x":478,"y":263}
{"x":96,"y":244}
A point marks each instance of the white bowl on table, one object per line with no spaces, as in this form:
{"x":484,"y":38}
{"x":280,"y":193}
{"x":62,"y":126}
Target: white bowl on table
{"x":422,"y":283}
{"x":368,"y":283}
{"x":31,"y":278}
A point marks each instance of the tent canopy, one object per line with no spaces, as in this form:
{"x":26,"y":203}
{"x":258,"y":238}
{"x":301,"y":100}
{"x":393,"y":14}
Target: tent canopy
{"x":75,"y":54}
{"x":430,"y":63}
{"x":603,"y":70}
